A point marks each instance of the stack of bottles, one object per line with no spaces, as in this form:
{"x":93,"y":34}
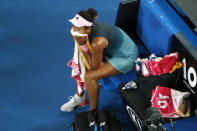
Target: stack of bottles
{"x":157,"y":65}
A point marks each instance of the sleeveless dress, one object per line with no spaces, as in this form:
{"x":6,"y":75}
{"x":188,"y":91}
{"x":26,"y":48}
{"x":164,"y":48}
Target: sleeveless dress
{"x":121,"y":51}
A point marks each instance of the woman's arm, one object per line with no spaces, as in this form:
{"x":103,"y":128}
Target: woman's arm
{"x":98,"y":45}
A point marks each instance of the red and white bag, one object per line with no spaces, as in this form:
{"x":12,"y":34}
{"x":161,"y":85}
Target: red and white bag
{"x":171,"y":103}
{"x":159,"y":67}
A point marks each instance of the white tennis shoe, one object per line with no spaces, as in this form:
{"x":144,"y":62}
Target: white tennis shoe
{"x":74,"y":102}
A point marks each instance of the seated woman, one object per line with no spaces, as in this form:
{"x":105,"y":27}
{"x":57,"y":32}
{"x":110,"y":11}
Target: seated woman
{"x":108,"y":44}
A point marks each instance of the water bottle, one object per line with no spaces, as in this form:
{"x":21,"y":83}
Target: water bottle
{"x":138,"y":64}
{"x":130,"y":85}
{"x":152,"y":57}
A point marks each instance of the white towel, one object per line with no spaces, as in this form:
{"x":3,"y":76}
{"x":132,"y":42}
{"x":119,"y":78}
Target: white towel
{"x":78,"y":69}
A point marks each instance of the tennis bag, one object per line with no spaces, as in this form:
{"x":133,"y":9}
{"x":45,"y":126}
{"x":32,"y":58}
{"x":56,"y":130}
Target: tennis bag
{"x":96,"y":121}
{"x":147,"y":84}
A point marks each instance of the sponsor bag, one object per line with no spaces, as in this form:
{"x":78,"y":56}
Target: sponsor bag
{"x":96,"y":121}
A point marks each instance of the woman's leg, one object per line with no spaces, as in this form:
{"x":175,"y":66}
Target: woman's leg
{"x":91,"y":78}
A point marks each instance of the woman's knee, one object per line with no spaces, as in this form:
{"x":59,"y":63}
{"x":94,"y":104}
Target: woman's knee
{"x":89,"y":78}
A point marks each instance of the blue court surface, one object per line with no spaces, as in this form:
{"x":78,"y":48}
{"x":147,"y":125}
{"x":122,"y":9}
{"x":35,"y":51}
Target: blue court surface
{"x":35,"y":46}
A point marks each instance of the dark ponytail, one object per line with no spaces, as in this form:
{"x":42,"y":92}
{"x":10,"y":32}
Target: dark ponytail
{"x":90,"y":15}
{"x":93,"y":12}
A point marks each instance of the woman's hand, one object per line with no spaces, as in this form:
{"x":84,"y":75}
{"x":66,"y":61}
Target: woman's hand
{"x":81,"y":40}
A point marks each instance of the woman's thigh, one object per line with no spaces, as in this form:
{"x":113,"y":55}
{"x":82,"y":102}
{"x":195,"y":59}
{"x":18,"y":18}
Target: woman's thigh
{"x":104,"y":71}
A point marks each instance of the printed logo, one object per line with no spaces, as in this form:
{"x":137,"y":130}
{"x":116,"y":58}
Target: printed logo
{"x":162,"y":103}
{"x":92,"y":124}
{"x":102,"y":124}
{"x":77,"y":17}
{"x":189,"y":75}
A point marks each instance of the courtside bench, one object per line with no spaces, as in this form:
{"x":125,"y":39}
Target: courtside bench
{"x":150,"y":29}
